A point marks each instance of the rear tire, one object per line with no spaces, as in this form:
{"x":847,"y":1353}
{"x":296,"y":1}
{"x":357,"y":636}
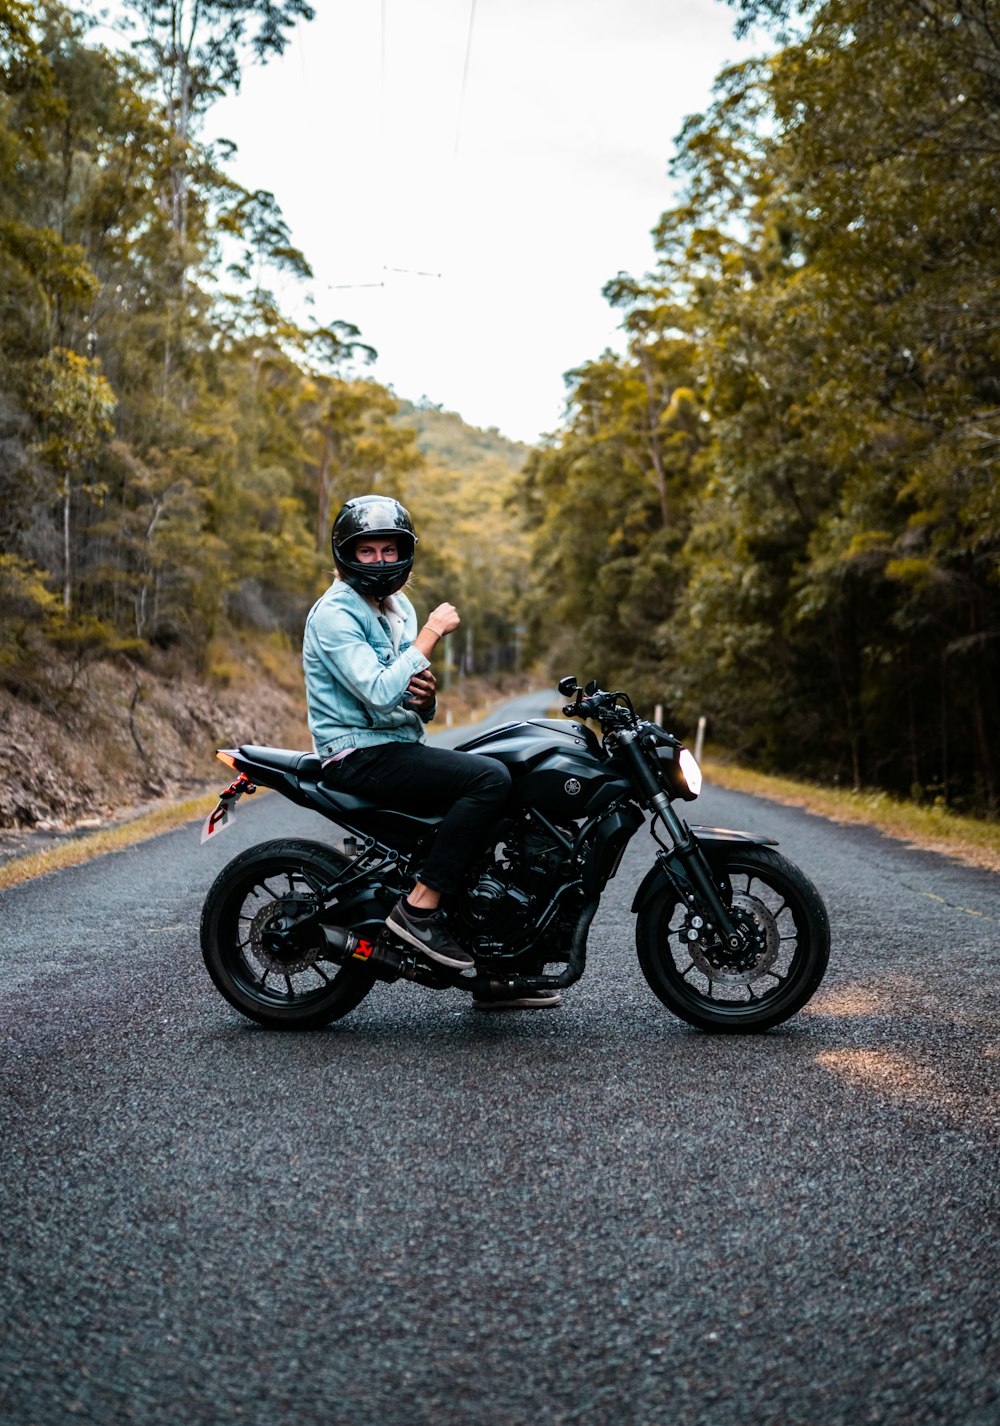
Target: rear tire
{"x":300,"y":995}
{"x":794,"y":941}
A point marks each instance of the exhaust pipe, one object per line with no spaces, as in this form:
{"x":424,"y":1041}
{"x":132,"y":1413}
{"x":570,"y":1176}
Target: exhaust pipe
{"x":382,"y":959}
{"x":523,"y":984}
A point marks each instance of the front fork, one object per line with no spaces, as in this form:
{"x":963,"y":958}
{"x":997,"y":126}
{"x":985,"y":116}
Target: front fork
{"x":699,"y":873}
{"x":685,"y":846}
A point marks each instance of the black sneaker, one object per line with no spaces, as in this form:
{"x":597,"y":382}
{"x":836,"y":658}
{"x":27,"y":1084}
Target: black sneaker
{"x":501,"y":997}
{"x":430,"y":935}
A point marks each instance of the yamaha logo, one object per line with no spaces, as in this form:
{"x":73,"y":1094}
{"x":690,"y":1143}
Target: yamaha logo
{"x":571,"y":786}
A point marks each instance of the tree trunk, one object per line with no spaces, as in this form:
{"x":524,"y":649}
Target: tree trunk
{"x":67,"y":492}
{"x":654,"y":410}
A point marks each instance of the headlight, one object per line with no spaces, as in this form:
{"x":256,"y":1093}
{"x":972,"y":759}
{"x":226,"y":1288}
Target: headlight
{"x":690,"y":770}
{"x":680,"y":771}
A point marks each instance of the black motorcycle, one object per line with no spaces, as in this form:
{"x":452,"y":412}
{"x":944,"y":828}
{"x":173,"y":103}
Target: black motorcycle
{"x":730,"y":935}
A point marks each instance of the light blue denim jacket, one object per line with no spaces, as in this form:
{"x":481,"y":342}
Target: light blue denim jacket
{"x":355,"y":684}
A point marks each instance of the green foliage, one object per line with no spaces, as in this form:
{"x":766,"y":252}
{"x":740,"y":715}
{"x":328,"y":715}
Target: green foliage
{"x":834,"y":604}
{"x":169,"y":450}
{"x":472,"y":546}
{"x":610,"y":504}
{"x":172,"y":451}
{"x":28,"y":611}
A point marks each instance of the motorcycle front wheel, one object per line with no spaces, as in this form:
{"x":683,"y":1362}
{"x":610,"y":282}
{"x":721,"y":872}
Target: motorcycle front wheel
{"x":285,"y":988}
{"x":772,"y":979}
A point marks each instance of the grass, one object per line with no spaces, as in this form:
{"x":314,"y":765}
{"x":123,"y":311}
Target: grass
{"x":77,"y":850}
{"x":933,"y":828}
{"x":966,"y":839}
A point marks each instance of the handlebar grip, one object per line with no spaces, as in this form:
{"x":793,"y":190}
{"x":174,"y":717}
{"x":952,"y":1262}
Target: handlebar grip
{"x":583,"y":708}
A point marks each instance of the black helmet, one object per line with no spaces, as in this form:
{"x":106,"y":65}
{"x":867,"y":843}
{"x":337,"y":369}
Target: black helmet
{"x":373,"y":515}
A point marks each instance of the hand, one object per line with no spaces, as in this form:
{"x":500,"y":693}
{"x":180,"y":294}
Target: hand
{"x":421,"y":691}
{"x":443,"y":620}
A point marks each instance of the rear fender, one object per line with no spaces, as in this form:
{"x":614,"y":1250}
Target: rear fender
{"x":668,"y":869}
{"x":281,"y":770}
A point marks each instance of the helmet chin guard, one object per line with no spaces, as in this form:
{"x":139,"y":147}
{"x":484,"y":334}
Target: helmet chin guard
{"x":373,"y":516}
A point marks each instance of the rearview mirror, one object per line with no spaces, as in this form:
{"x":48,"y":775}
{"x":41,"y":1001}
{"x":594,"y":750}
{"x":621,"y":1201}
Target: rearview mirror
{"x":567,"y":686}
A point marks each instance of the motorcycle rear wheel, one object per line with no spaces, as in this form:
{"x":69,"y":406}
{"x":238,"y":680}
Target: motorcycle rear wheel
{"x":299,"y":995}
{"x":794,"y":935}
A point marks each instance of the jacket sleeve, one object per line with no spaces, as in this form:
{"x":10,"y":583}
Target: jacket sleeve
{"x":342,"y":643}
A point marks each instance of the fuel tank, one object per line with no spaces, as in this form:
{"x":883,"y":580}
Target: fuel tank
{"x":557,"y":767}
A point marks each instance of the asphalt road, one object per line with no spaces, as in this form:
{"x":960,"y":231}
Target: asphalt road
{"x":425,"y":1214}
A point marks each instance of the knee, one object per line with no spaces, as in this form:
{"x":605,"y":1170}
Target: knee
{"x":494,"y":782}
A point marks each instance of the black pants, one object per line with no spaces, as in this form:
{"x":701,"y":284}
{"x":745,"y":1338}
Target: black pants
{"x":411,"y":777}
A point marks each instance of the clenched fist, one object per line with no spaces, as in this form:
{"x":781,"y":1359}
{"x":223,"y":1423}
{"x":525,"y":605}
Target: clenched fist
{"x":443,"y":620}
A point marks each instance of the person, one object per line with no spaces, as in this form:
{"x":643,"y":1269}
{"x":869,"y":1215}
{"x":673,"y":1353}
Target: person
{"x":370,"y":692}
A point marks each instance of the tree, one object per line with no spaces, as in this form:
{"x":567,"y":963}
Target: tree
{"x":833,"y":265}
{"x":74,"y":406}
{"x":156,"y":434}
{"x":195,"y":48}
{"x":611,"y":502}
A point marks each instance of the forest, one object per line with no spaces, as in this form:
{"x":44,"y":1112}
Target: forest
{"x":775,"y":506}
{"x":172,"y":446}
{"x":779,"y":509}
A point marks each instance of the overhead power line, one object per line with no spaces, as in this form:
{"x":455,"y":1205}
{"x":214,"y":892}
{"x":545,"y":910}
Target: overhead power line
{"x":383,"y":85}
{"x":409,"y":271}
{"x":465,"y":73}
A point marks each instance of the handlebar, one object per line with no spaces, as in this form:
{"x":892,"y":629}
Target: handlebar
{"x":594,"y":702}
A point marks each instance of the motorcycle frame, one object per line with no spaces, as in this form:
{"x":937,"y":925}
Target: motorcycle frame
{"x":685,"y":865}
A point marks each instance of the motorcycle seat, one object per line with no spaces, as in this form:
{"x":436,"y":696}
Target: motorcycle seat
{"x":284,"y":759}
{"x":359,"y":811}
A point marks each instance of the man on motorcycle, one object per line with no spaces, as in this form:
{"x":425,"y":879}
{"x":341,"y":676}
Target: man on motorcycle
{"x":370,"y":691}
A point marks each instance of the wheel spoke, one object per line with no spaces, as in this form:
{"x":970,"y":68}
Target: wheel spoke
{"x":279,"y":979}
{"x":786,"y":940}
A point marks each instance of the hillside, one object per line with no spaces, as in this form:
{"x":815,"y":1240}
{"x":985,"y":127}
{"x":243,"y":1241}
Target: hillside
{"x":443,"y":438}
{"x":92,"y":738}
{"x":465,"y":500}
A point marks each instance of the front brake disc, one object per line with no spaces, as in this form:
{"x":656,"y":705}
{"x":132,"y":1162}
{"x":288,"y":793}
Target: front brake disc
{"x":758,"y":956}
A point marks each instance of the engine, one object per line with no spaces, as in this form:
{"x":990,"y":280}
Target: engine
{"x":514,"y":883}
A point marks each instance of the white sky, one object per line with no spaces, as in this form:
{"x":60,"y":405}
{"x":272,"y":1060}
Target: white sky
{"x":570,"y":112}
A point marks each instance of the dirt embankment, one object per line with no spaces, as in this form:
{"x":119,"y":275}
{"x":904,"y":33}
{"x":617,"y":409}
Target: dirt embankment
{"x":116,"y":739}
{"x":83,"y":751}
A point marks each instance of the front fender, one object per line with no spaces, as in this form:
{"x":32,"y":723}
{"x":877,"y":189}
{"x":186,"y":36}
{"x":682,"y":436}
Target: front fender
{"x":668,"y":869}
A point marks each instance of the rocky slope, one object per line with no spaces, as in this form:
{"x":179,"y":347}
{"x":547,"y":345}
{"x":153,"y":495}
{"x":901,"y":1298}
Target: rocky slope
{"x":80,"y":750}
{"x":84,"y":748}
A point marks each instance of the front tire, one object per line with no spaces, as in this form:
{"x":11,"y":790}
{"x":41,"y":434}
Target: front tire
{"x":792,"y":947}
{"x":286,"y":992}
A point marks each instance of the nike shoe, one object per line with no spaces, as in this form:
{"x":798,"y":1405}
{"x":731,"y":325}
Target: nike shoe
{"x":429,"y":934}
{"x":501,"y":997}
